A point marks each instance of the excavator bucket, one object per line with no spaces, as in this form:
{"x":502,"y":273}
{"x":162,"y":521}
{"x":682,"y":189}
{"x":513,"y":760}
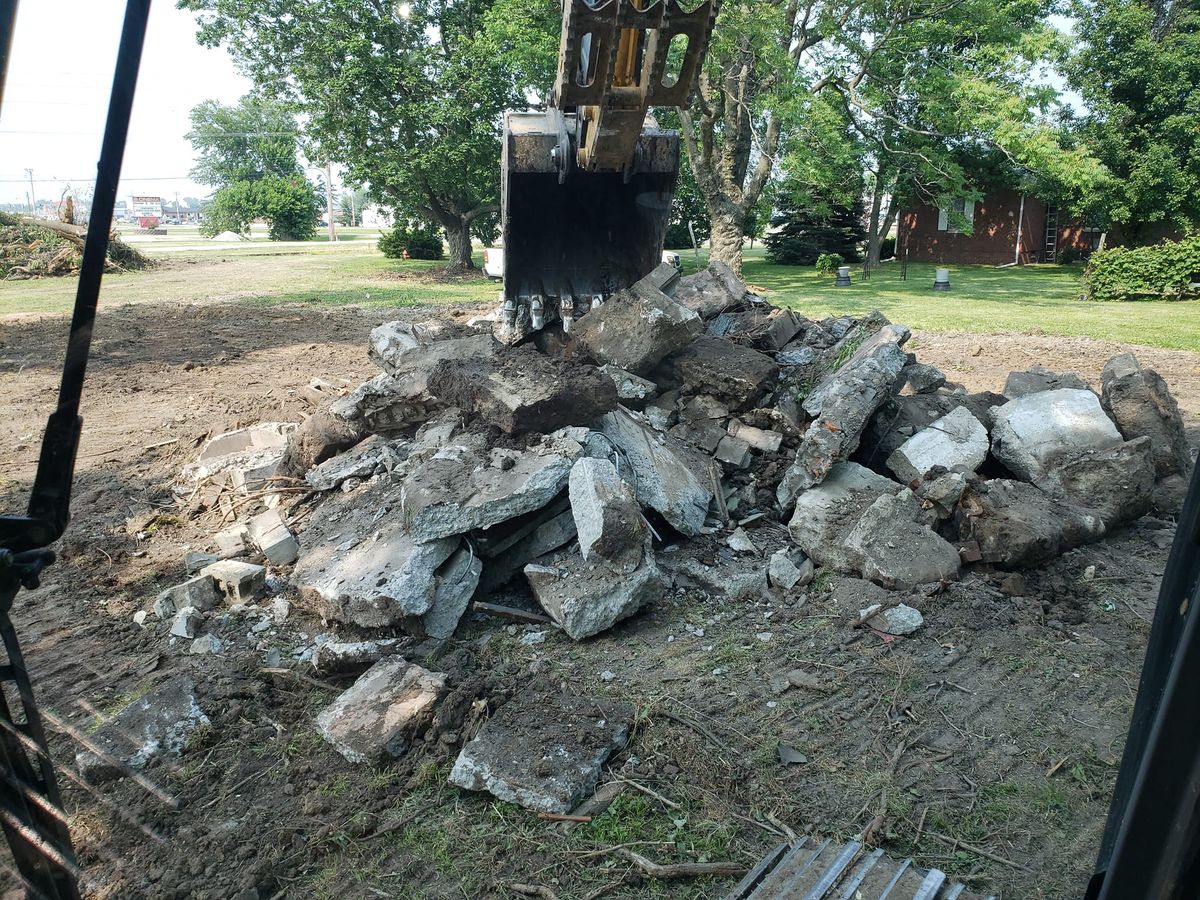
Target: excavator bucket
{"x":587,"y":184}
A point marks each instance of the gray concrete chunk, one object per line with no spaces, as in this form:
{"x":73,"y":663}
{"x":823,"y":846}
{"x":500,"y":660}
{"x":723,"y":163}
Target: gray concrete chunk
{"x":1141,"y":404}
{"x":665,"y":478}
{"x":636,"y":329}
{"x":270,"y":535}
{"x":842,"y":405}
{"x":957,"y":441}
{"x":608,"y":517}
{"x":895,"y":550}
{"x":1038,"y":379}
{"x":458,"y":490}
{"x":543,"y":750}
{"x":1017,"y":525}
{"x":158,"y":725}
{"x":826,"y":514}
{"x":200,"y":592}
{"x":239,"y":581}
{"x":586,"y":598}
{"x":457,"y":580}
{"x":379,"y":714}
{"x":359,"y":565}
{"x":1030,"y":433}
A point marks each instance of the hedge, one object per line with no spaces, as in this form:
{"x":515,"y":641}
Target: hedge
{"x":1166,"y":271}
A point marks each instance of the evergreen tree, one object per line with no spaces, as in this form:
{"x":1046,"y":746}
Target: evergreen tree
{"x":802,"y":232}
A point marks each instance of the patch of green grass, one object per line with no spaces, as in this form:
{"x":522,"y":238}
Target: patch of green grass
{"x":117,"y":704}
{"x":1042,"y":299}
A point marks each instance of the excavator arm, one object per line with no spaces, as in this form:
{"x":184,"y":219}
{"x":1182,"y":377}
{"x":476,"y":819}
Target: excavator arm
{"x":587,"y":183}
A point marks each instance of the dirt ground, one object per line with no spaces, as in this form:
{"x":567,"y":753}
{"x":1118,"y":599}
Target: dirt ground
{"x":986,"y":744}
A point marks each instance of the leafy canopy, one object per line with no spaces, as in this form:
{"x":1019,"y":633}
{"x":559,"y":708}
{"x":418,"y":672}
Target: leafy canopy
{"x":1137,"y":66}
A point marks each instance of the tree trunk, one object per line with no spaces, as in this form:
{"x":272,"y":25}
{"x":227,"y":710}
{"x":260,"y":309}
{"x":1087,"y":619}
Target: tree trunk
{"x":458,"y":236}
{"x":874,"y":237}
{"x":728,"y":231}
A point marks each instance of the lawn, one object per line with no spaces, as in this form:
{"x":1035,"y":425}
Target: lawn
{"x":983,"y":299}
{"x":352,"y":272}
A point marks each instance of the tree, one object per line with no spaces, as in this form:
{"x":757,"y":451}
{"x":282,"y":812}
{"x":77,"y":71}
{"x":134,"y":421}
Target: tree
{"x":1137,"y":66}
{"x":289,"y":204}
{"x":912,"y":83}
{"x":249,"y":152}
{"x":252,"y":140}
{"x":409,"y":97}
{"x":804,"y":233}
{"x":688,"y":213}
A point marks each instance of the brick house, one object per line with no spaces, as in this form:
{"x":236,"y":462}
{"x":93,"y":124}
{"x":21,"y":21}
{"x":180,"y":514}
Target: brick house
{"x":930,"y":234}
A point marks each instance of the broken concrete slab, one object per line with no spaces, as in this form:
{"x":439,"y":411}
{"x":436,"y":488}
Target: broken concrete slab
{"x":400,"y":347}
{"x":544,"y":749}
{"x":234,"y":540}
{"x":733,"y":453}
{"x":1016,"y":524}
{"x":238,"y":581}
{"x":339,"y":657}
{"x":319,"y":437}
{"x":941,"y":495}
{"x":381,"y":713}
{"x":631,"y":389}
{"x":1141,"y":404}
{"x":372,"y":456}
{"x":360,"y":565}
{"x":826,"y":514}
{"x":272,"y":537}
{"x":385,"y":404}
{"x":608,"y":517}
{"x":156,"y":726}
{"x":711,"y":291}
{"x":900,"y":417}
{"x":957,"y":442}
{"x":458,"y":490}
{"x":737,"y":376}
{"x":1031,"y":432}
{"x":666,"y":477}
{"x":636,"y":329}
{"x":186,"y":621}
{"x":1117,"y":483}
{"x":1038,"y":379}
{"x":520,"y":390}
{"x":897,"y":552}
{"x":457,"y":581}
{"x":544,"y":538}
{"x":587,"y":597}
{"x":842,"y":405}
{"x":199,"y":592}
{"x":705,"y":436}
{"x":919,"y":378}
{"x":248,"y":457}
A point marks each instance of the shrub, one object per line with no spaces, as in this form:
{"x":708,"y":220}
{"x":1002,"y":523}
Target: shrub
{"x":827,"y":263}
{"x":887,"y":248}
{"x":1165,"y":271}
{"x":420,"y":242}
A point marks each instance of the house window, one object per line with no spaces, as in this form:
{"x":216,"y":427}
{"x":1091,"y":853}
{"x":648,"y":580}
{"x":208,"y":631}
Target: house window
{"x":958,"y":217}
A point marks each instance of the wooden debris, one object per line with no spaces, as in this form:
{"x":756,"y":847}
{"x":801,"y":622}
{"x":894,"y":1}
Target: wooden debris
{"x":680,"y":870}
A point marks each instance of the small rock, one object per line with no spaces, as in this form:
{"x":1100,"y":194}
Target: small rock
{"x":1014,"y":585}
{"x":139,"y":617}
{"x":531,"y":638}
{"x":740,"y":542}
{"x":274,"y":659}
{"x":208,"y":643}
{"x":898,"y":620}
{"x":186,"y":621}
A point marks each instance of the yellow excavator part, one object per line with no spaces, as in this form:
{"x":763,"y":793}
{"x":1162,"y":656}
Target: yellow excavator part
{"x":587,"y":184}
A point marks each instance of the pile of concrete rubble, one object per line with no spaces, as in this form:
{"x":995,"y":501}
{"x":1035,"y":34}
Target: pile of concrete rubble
{"x":579,"y":466}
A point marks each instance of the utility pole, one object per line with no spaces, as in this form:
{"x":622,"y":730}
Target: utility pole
{"x":32,"y":194}
{"x":329,"y":199}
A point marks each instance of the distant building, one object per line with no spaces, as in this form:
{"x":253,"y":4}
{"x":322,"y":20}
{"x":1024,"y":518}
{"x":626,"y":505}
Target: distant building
{"x":1004,"y":227}
{"x":186,"y":213}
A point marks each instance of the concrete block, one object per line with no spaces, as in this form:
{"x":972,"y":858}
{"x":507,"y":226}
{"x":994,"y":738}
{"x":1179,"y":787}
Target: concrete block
{"x":239,"y":581}
{"x":271,"y":536}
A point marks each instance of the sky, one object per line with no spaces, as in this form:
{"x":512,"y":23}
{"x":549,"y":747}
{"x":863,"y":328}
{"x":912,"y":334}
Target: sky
{"x":56,"y":98}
